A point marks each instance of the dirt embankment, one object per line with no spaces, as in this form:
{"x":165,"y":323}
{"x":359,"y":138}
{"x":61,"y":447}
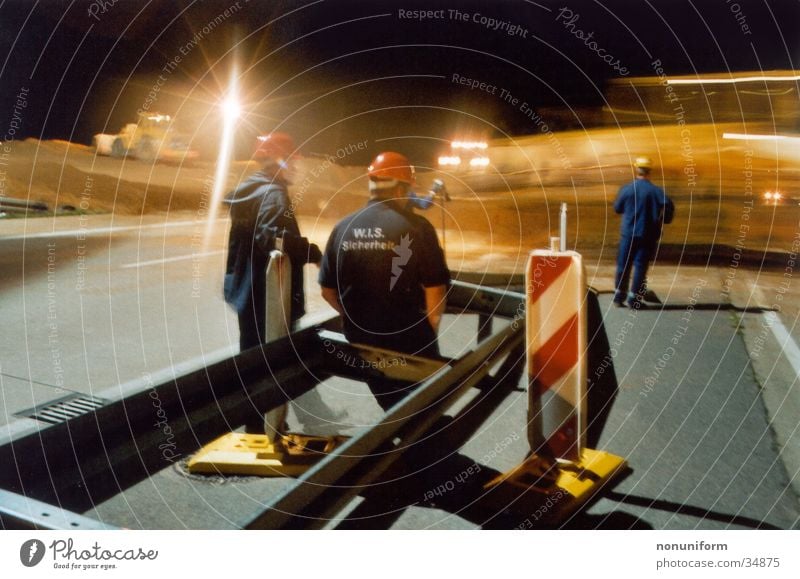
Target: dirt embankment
{"x":716,"y":182}
{"x":65,"y":174}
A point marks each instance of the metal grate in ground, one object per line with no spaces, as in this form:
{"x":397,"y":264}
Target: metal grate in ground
{"x":63,"y":409}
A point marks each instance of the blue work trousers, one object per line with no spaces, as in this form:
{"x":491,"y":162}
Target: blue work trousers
{"x":634,"y":253}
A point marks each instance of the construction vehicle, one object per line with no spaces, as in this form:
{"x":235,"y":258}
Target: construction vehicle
{"x":467,"y":157}
{"x":155,"y":137}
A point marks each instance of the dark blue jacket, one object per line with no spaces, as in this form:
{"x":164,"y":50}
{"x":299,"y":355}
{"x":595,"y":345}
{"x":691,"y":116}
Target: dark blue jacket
{"x":261,"y":211}
{"x":379,"y":260}
{"x":644,"y":208}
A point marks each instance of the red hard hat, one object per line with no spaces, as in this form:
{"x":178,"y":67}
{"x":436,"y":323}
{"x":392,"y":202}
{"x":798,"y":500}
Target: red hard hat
{"x":274,"y":146}
{"x":391,"y":165}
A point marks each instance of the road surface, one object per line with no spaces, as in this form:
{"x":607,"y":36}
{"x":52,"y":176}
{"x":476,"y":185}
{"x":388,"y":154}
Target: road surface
{"x":706,"y":389}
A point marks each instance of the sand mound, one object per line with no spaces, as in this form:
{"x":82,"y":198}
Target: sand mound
{"x":515,"y":203}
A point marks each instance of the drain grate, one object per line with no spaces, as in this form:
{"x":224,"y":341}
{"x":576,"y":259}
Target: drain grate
{"x":63,"y":409}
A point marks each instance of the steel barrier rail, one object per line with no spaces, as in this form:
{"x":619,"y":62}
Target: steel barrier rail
{"x":333,"y":499}
{"x":91,"y":458}
{"x":116,"y":446}
{"x":19,"y":512}
{"x":11,"y":202}
{"x":485,"y":300}
{"x":457,"y":429}
{"x":417,"y":411}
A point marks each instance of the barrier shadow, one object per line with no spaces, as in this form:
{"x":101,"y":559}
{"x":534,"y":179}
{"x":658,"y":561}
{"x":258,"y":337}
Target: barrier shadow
{"x":708,"y":307}
{"x":602,"y":386}
{"x":684,"y":509}
{"x":453,"y":483}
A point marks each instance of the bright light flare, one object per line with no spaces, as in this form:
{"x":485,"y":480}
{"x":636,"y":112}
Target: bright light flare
{"x":722,"y":80}
{"x":159,"y":118}
{"x":230,"y":114}
{"x":755,"y":137}
{"x":449,"y":161}
{"x":773,"y":197}
{"x":479,"y":162}
{"x":231,"y":109}
{"x":468,"y":145}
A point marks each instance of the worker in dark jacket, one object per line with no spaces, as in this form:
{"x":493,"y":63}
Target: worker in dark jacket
{"x":260,"y":212}
{"x":385,"y":273}
{"x":644,"y":208}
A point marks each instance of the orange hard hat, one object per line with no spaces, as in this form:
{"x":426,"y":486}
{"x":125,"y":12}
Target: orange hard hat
{"x":274,"y":146}
{"x":391,"y":166}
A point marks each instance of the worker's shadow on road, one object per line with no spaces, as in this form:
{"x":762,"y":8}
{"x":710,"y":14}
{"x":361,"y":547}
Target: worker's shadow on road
{"x":451,"y":483}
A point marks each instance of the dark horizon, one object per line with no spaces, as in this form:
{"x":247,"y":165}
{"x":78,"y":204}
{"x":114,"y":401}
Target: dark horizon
{"x":333,"y":73}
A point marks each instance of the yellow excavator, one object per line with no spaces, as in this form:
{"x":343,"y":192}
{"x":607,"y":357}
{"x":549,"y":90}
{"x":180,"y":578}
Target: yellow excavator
{"x":155,"y":137}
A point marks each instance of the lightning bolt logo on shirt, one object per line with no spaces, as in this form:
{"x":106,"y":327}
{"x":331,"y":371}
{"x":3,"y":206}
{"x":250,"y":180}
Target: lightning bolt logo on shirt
{"x":403,"y":251}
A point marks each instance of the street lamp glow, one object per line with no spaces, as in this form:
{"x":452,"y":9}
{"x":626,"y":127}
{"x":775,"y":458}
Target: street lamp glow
{"x":231,"y":109}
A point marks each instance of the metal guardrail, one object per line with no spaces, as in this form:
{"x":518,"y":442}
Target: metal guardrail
{"x":20,"y":512}
{"x":12,"y":205}
{"x":299,"y":506}
{"x":116,"y":446}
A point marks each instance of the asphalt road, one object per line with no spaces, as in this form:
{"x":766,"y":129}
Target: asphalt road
{"x":694,"y":411}
{"x":84,"y":314}
{"x":690,"y":418}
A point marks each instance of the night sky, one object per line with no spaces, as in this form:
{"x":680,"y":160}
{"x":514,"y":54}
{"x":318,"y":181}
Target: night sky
{"x":337,"y":72}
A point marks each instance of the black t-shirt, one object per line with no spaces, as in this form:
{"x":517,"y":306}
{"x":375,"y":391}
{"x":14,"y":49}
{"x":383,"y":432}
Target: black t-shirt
{"x":379,"y":259}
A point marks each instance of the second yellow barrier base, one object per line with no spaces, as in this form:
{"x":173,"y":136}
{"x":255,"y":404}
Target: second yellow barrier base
{"x":257,"y":455}
{"x":547,"y":493}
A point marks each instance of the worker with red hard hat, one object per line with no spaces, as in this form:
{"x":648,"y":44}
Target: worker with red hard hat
{"x":385,"y":273}
{"x":275,"y":146}
{"x":261,"y":212}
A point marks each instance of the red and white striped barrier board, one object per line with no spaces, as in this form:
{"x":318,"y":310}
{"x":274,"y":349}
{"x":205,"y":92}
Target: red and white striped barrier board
{"x":556,"y":338}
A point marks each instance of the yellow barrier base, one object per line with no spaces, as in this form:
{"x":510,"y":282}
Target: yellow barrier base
{"x":547,"y":493}
{"x":257,"y":455}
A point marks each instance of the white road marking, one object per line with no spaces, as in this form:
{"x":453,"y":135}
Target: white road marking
{"x":171,"y":259}
{"x":788,"y":345}
{"x":101,"y":230}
